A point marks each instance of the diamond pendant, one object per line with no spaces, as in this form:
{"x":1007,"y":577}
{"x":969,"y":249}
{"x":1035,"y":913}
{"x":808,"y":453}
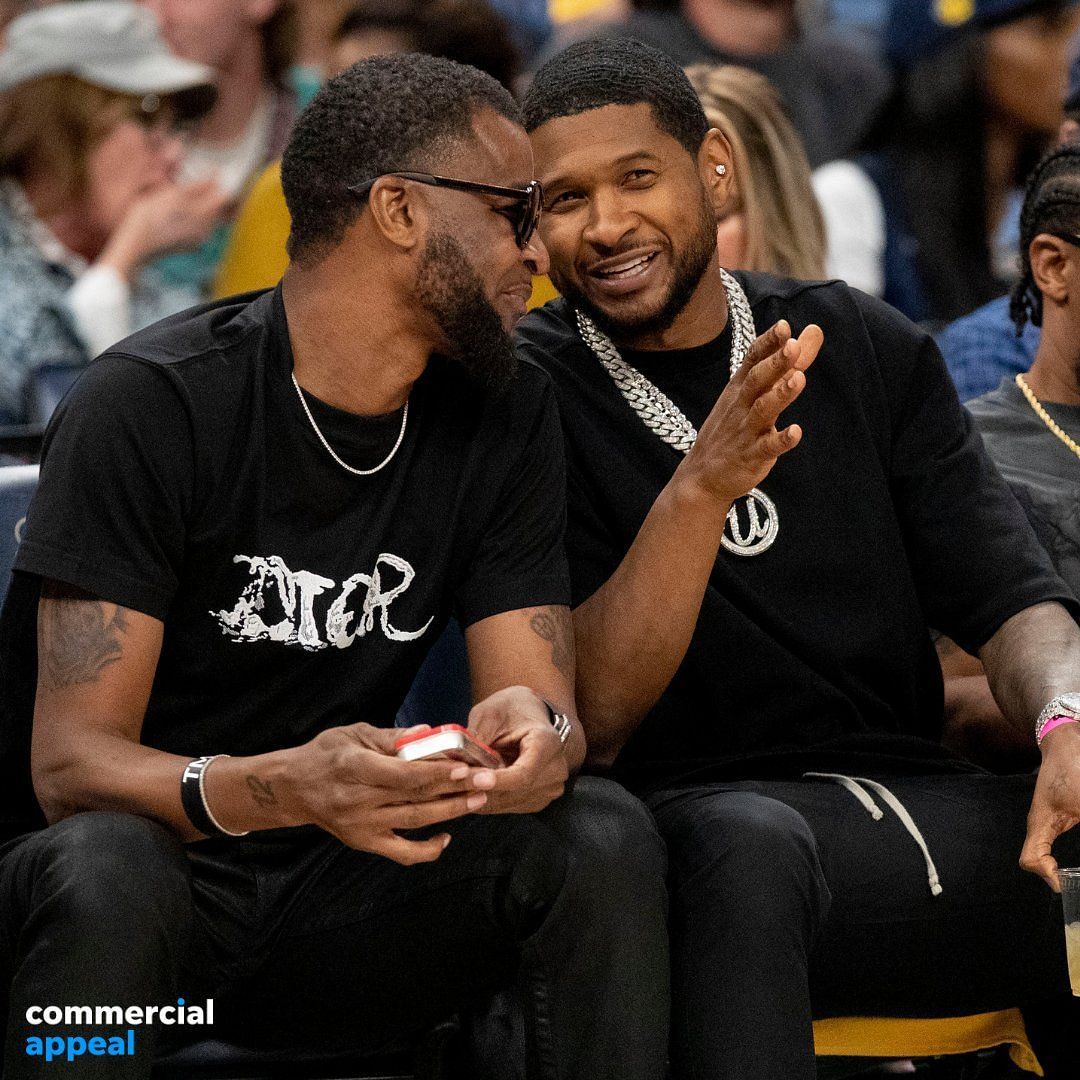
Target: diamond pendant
{"x":759,"y":534}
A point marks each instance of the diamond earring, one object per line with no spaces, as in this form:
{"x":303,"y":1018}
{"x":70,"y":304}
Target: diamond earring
{"x":721,"y":170}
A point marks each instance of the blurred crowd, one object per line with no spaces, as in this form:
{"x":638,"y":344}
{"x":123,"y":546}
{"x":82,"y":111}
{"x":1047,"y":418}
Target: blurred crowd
{"x":883,"y":142}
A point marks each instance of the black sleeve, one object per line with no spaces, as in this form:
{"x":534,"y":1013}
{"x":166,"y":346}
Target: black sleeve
{"x":593,"y":553}
{"x":115,"y":492}
{"x":520,"y":561}
{"x":974,"y":557}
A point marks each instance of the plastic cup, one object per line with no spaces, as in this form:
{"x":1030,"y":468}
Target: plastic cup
{"x":1070,"y":899}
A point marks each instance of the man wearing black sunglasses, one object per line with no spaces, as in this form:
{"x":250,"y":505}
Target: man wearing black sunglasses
{"x":252,"y":523}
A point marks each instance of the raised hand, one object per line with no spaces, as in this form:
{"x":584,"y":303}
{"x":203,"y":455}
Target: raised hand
{"x":171,"y":217}
{"x":739,"y":442}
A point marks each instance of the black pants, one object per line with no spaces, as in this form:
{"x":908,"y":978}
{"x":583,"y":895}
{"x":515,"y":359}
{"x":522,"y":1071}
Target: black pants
{"x":302,"y":941}
{"x":790,"y":902}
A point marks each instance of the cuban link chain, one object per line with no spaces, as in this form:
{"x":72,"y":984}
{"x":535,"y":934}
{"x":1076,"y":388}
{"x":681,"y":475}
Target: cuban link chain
{"x":665,"y":419}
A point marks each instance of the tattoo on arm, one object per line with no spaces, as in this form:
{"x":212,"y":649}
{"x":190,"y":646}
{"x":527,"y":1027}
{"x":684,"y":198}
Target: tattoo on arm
{"x":261,"y":791}
{"x":555,"y":626}
{"x":79,"y":636}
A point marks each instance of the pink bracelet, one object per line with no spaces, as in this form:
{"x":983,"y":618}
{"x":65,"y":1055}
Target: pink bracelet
{"x":1054,"y":722}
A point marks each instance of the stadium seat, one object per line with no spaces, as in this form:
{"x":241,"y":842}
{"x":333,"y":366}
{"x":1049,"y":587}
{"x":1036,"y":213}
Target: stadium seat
{"x":45,"y":387}
{"x":889,"y":1037}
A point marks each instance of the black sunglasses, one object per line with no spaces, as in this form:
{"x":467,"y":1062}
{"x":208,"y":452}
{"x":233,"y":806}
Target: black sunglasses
{"x":1069,"y":238}
{"x":528,"y":201}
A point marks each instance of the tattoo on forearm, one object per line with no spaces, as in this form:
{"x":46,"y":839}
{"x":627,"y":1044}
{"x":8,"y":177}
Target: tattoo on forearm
{"x":555,"y":626}
{"x":78,"y":637}
{"x":261,"y":791}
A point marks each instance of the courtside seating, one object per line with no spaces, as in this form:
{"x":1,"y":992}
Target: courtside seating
{"x":441,"y":695}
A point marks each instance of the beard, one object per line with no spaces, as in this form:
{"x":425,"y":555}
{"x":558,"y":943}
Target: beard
{"x":449,"y":289}
{"x":688,"y":266}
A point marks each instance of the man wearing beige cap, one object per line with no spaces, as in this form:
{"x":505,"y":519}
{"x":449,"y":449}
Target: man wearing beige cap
{"x":90,"y":101}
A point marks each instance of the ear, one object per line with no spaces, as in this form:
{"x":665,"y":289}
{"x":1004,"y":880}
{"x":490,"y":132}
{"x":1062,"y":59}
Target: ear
{"x":1052,"y":268}
{"x":398,"y":212}
{"x":1069,"y":131}
{"x":716,"y":168}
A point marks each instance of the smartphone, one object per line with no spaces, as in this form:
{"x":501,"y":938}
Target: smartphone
{"x":450,"y":741}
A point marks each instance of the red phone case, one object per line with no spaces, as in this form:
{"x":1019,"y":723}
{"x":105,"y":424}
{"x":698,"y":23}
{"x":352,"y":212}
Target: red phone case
{"x":450,"y":741}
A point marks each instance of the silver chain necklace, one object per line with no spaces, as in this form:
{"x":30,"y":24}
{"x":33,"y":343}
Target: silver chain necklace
{"x":665,"y":419}
{"x":330,"y":450}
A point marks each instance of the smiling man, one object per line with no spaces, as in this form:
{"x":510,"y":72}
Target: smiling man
{"x":752,"y":599}
{"x":252,"y":523}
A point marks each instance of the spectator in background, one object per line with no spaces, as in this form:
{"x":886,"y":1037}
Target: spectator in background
{"x":978,"y":105}
{"x":468,"y":31}
{"x":250,"y":45}
{"x":316,"y":23}
{"x":90,"y":98}
{"x":833,"y":89}
{"x":984,"y":347}
{"x":782,"y":219}
{"x":1030,"y":424}
{"x":771,"y":221}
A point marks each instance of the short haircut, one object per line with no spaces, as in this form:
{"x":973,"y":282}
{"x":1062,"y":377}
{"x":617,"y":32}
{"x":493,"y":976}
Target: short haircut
{"x":383,"y":115}
{"x":621,"y":71}
{"x":1051,"y":204}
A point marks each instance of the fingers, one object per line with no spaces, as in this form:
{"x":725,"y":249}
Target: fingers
{"x":409,"y":852}
{"x":1036,"y":857}
{"x":766,"y":410}
{"x":418,"y":815}
{"x":767,"y":345}
{"x":790,"y":355}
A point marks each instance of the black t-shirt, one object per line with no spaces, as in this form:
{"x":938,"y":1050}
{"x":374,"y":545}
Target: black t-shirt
{"x":181,"y":478}
{"x":814,"y":653}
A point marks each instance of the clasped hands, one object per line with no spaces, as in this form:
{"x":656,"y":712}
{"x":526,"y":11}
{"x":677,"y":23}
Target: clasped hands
{"x":349,"y":781}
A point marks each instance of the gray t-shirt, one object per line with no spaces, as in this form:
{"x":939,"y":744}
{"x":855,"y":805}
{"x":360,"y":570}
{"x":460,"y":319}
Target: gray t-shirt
{"x":1042,"y":471}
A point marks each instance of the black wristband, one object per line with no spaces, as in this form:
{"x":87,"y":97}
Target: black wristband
{"x":191,"y":797}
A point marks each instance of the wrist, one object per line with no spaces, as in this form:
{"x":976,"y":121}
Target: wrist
{"x":245,"y":794}
{"x":691,"y":493}
{"x":120,"y":254}
{"x":1062,"y":738}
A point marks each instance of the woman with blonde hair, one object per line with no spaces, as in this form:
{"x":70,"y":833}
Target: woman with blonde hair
{"x":782,"y":219}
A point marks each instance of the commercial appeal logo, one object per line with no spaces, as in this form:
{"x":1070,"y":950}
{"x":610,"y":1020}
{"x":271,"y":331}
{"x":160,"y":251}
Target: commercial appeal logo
{"x":278,"y":604}
{"x":102,"y":1039}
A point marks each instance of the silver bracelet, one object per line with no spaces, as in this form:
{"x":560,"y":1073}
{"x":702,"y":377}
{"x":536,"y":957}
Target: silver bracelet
{"x":206,"y":806}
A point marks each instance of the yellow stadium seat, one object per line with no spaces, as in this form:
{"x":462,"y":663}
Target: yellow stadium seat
{"x":875,"y":1037}
{"x":563,"y":11}
{"x":255,"y":257}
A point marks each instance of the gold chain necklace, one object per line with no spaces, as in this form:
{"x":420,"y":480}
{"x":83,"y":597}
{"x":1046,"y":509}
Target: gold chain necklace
{"x":1043,"y":415}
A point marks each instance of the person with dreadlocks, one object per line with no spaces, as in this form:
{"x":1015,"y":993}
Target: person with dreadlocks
{"x":1030,"y":426}
{"x":1031,"y":422}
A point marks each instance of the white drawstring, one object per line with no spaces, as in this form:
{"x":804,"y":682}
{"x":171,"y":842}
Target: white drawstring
{"x":854,"y":784}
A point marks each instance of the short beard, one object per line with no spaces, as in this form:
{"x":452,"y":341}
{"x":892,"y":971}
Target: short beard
{"x":689,"y":265}
{"x":448,"y":287}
